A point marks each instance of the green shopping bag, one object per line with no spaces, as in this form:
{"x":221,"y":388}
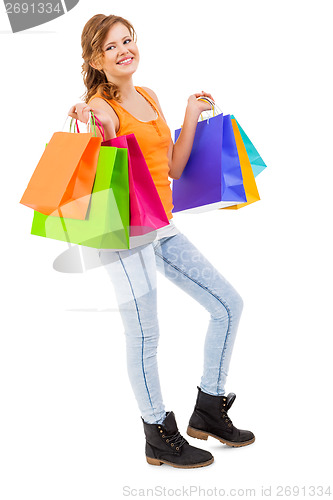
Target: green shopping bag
{"x":107,"y":221}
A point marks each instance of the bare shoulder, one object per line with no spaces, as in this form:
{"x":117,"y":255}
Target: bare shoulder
{"x":150,"y":92}
{"x":99,"y":103}
{"x":154,"y":96}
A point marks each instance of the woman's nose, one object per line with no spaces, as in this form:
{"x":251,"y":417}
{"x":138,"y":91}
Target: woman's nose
{"x":123,"y":50}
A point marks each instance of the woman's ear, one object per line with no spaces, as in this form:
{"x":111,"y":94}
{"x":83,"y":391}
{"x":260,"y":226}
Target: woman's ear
{"x":95,"y":65}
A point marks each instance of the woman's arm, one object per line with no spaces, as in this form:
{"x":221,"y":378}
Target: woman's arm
{"x":182,"y":148}
{"x":179,"y":152}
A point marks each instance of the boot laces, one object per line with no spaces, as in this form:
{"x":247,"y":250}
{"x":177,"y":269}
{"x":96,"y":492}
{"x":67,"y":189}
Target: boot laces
{"x":225,"y":415}
{"x":175,"y":439}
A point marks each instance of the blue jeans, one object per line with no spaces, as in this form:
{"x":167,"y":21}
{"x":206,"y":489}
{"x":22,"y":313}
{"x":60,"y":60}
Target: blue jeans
{"x":133,"y":273}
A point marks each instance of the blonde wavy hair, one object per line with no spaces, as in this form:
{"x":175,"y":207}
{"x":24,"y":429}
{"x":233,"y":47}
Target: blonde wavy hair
{"x":92,"y":41}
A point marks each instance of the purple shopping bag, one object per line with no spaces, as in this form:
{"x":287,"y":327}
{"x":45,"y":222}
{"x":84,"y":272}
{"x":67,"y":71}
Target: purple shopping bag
{"x":212,"y":177}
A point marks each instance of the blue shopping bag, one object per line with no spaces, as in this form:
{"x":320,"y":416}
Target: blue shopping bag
{"x":212,"y":177}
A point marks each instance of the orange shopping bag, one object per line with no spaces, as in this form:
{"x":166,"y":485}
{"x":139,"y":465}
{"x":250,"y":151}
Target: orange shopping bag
{"x":64,"y":176}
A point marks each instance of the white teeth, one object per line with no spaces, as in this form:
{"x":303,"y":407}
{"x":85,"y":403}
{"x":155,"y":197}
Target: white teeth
{"x":125,"y":61}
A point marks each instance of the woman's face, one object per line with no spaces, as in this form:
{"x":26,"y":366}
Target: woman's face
{"x":121,"y":55}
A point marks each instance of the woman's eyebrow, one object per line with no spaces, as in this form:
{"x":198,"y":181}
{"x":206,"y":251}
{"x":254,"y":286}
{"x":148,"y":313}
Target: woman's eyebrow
{"x":114,"y":43}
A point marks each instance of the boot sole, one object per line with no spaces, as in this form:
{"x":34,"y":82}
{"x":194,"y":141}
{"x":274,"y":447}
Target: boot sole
{"x":157,"y":461}
{"x":196,"y":433}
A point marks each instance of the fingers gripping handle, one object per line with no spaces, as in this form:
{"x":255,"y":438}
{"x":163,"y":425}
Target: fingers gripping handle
{"x":91,"y":125}
{"x":215,"y":109}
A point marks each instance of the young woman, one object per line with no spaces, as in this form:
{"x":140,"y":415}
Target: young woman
{"x":111,"y":57}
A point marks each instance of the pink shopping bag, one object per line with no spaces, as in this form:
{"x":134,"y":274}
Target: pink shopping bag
{"x":146,"y":209}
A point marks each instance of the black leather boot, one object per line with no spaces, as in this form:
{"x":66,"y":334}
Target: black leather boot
{"x":165,"y":445}
{"x":210,"y":418}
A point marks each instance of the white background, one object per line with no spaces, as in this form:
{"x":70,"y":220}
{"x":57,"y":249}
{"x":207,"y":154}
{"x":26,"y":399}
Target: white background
{"x":69,"y":424}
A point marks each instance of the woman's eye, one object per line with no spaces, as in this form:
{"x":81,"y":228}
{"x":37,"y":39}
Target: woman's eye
{"x":113,"y":46}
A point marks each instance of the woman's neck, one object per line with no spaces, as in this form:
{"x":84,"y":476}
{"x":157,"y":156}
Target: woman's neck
{"x":126,"y":89}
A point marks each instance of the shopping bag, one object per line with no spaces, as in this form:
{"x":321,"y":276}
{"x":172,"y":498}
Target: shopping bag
{"x":107,"y":221}
{"x":64,"y":176}
{"x":146,"y":209}
{"x":257,"y":163}
{"x":212,"y":177}
{"x":250,"y":185}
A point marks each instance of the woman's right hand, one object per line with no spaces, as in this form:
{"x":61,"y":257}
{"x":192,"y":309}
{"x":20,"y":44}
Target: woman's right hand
{"x":80,"y":111}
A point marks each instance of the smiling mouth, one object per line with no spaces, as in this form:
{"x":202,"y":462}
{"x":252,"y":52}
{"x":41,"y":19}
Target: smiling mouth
{"x":126,"y":61}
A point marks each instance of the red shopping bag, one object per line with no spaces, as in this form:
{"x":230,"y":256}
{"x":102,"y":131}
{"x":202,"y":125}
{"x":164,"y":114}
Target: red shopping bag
{"x":146,"y":209}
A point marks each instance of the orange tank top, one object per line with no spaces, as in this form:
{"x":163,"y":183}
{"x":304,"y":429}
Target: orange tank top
{"x":154,"y":140}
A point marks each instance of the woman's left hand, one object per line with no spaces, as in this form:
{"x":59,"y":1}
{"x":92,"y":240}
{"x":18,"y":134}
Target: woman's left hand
{"x":199,"y":106}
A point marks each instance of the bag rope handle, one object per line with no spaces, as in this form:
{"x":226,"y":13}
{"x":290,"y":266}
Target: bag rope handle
{"x":213,"y":106}
{"x":99,"y":125}
{"x":92,"y":124}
